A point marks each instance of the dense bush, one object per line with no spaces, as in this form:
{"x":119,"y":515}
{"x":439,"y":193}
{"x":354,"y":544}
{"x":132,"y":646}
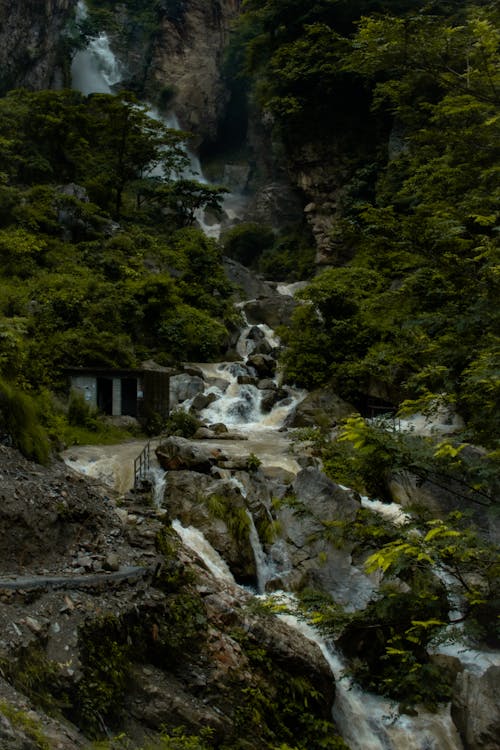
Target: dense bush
{"x":20,"y":424}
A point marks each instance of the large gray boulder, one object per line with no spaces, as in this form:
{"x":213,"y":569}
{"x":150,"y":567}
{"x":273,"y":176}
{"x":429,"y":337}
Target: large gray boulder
{"x":273,"y":310}
{"x":475,"y":709}
{"x":309,"y":559}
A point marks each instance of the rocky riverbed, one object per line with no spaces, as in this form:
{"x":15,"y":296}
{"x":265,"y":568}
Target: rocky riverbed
{"x":109,"y":623}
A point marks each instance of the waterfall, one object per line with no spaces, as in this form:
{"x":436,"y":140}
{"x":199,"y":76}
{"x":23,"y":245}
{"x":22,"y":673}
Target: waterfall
{"x":239,"y":404}
{"x":263,"y":566}
{"x":158,"y":479}
{"x":194,"y":539}
{"x":95,"y":69}
{"x":369,"y":722}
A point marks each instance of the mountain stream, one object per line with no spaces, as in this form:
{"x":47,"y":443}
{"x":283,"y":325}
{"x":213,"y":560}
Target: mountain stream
{"x":367,"y":722}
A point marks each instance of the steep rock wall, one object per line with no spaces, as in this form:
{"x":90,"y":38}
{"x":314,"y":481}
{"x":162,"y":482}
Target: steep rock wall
{"x":30,"y":50}
{"x":187,"y":58}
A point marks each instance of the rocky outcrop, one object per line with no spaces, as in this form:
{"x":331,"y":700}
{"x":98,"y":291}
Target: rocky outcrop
{"x":31,"y":53}
{"x":475,"y":709}
{"x":187,"y":60}
{"x":315,"y":503}
{"x":140,"y":655}
{"x":217,"y":508}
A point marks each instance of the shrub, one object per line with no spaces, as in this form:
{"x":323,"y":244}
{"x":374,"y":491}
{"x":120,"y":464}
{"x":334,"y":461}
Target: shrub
{"x":19,"y":422}
{"x":181,"y":423}
{"x":246,"y":242}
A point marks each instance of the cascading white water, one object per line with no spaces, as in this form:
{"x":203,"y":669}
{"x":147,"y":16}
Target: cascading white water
{"x":194,"y":539}
{"x":263,"y":565}
{"x":158,"y":479}
{"x":366,"y":722}
{"x":95,"y":69}
{"x":238,"y":405}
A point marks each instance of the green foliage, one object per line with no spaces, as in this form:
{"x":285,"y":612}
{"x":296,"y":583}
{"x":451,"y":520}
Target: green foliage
{"x":34,"y":674}
{"x":105,"y":662}
{"x":20,"y":423}
{"x":367,"y":455}
{"x":421,"y":225}
{"x":94,"y":292}
{"x":253,"y":462}
{"x":291,"y":258}
{"x":20,"y":720}
{"x":181,"y":423}
{"x":286,"y":256}
{"x":80,"y":413}
{"x":178,"y":739}
{"x":172,"y":576}
{"x":281,"y":708}
{"x":234,"y":516}
{"x":246,"y":242}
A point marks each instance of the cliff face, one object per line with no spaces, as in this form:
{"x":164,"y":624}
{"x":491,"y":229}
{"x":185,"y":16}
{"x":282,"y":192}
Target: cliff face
{"x":30,"y":49}
{"x":179,"y":61}
{"x":188,"y":57}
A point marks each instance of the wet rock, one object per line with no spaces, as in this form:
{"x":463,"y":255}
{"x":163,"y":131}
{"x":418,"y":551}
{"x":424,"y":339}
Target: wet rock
{"x":475,"y":709}
{"x":246,"y":380}
{"x":215,"y":507}
{"x":248,"y":284}
{"x":183,"y":387}
{"x":160,"y":700}
{"x":201,"y":401}
{"x":112,"y":562}
{"x":274,"y":310}
{"x":267,"y":384}
{"x":178,"y":454}
{"x":263,"y":364}
{"x":268,"y":400}
{"x":313,"y":561}
{"x":218,"y":428}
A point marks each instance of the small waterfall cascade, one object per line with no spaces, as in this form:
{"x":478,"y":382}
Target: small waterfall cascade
{"x":239,"y":404}
{"x":195,"y":540}
{"x":158,"y":478}
{"x":263,"y":565}
{"x":369,"y":722}
{"x":95,"y":69}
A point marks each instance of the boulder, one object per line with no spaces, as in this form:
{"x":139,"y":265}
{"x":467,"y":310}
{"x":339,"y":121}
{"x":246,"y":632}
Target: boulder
{"x":263,"y":364}
{"x":441,"y":495}
{"x":320,"y":407}
{"x":212,"y":504}
{"x":273,"y":310}
{"x":475,"y":709}
{"x":178,"y":454}
{"x":183,"y":387}
{"x":248,"y":284}
{"x":316,"y":501}
{"x":202,"y":400}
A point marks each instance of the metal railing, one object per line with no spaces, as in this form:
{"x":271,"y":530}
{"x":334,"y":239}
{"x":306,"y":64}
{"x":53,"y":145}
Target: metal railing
{"x":142,"y":464}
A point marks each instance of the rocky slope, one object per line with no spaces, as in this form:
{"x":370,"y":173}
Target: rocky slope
{"x":30,"y":43}
{"x":110,"y":624}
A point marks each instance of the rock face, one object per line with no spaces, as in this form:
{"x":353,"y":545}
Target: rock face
{"x":476,"y":711}
{"x":313,"y":561}
{"x":30,"y":49}
{"x":187,"y":59}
